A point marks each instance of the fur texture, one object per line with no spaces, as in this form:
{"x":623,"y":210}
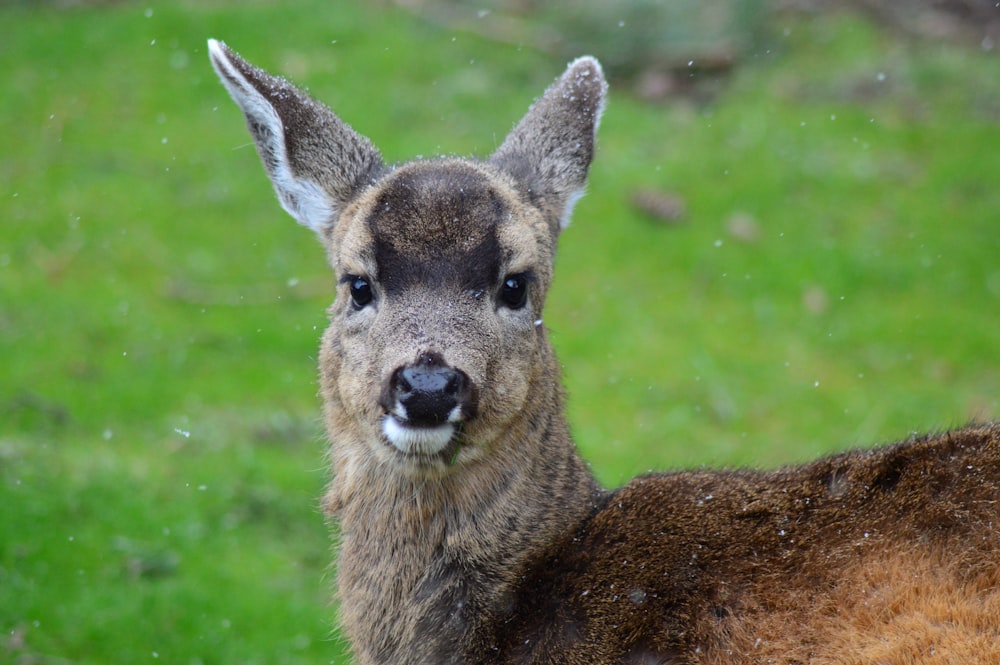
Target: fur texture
{"x":471,"y":530}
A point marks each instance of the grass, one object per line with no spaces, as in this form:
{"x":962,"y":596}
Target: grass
{"x":160,"y":453}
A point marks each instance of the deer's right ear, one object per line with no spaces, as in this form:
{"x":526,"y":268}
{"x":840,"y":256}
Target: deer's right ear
{"x":315,"y":160}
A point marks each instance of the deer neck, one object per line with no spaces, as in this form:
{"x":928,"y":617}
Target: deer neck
{"x":424,"y":557}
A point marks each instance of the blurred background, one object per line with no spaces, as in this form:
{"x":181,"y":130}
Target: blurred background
{"x":790,"y":246}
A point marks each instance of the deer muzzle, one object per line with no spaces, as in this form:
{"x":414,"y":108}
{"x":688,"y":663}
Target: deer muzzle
{"x":426,"y":403}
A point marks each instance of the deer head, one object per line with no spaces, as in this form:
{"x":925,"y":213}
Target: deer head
{"x":436,"y":350}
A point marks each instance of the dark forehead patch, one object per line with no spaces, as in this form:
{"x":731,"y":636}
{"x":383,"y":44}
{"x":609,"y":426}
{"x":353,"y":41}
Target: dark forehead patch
{"x":435,"y":223}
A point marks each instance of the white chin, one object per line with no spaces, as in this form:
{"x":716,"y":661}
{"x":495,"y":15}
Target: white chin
{"x":417,"y":440}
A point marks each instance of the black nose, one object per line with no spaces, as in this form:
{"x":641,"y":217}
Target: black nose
{"x":428,"y":391}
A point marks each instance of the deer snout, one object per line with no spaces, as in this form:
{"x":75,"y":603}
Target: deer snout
{"x":424,"y":402}
{"x":428,"y":395}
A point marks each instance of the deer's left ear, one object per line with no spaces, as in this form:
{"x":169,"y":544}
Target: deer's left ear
{"x":549,"y":152}
{"x":316,"y":162}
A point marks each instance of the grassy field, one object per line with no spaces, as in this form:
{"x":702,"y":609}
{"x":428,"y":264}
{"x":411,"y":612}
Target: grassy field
{"x":835,"y":282}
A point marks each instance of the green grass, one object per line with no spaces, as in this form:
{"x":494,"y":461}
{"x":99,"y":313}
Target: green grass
{"x":160,"y":453}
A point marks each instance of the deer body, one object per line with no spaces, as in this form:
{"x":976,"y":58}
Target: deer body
{"x":472,"y":531}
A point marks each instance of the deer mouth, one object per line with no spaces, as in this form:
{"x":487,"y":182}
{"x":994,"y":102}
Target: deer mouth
{"x":417,"y":439}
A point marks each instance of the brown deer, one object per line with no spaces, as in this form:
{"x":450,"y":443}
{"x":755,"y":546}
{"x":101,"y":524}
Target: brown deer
{"x":471,"y":530}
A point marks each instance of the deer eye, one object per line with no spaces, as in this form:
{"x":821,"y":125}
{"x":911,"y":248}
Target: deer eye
{"x":514,"y":291}
{"x":361,"y":291}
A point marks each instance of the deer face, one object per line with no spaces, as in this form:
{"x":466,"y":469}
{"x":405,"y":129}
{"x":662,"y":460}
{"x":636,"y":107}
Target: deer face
{"x":436,"y":334}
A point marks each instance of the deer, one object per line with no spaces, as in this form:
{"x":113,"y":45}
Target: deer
{"x":472,"y":531}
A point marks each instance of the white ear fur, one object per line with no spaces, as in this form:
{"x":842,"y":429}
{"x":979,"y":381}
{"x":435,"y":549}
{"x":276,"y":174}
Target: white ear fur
{"x":587,"y":63}
{"x":303,"y":198}
{"x":571,"y":201}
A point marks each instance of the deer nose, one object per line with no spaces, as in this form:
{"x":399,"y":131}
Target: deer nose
{"x":429,"y":392}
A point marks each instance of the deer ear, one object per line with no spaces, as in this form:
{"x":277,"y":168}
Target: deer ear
{"x":315,"y":160}
{"x":549,"y":151}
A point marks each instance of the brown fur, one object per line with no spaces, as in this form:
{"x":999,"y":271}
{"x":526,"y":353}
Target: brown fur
{"x":472,"y":532}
